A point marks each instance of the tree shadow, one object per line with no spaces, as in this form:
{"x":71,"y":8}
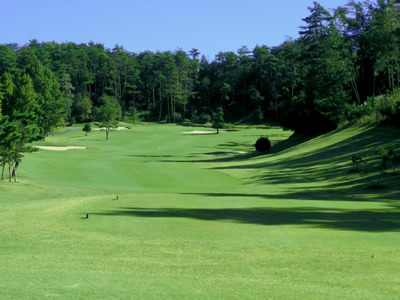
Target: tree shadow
{"x":371,"y":220}
{"x":216,"y":159}
{"x":150,"y":156}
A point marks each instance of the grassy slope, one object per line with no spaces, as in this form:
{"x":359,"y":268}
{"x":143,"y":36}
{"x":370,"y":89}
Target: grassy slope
{"x":291,"y":224}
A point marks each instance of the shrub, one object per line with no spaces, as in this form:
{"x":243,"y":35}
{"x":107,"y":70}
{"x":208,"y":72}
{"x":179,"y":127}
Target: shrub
{"x":355,"y":112}
{"x":177,"y":117}
{"x":204,"y":118}
{"x":263,"y":144}
{"x":87,"y":128}
{"x":388,"y":104}
{"x":143,"y":116}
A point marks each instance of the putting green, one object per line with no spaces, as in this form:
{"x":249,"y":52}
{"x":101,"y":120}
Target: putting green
{"x":295,"y":223}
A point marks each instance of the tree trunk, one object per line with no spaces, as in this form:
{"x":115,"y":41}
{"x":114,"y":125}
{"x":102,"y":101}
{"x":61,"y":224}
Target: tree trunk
{"x":9,"y":171}
{"x":154,"y":99}
{"x":107,"y":131}
{"x":159,"y":117}
{"x":2,"y":171}
{"x":169,"y":115}
{"x":14,"y":173}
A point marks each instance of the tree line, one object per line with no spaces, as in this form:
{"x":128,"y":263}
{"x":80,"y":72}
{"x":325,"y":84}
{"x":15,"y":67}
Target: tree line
{"x":345,"y":64}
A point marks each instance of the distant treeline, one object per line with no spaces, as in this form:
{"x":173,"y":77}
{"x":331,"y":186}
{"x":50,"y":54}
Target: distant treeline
{"x":332,"y":73}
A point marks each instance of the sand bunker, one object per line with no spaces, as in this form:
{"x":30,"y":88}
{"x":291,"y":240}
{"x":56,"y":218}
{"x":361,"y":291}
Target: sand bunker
{"x":61,"y":148}
{"x":112,"y":128}
{"x":202,"y":132}
{"x":224,"y":153}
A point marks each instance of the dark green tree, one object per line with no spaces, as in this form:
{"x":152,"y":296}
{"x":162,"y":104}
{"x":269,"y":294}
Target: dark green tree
{"x":87,"y":128}
{"x":6,"y":93}
{"x":15,"y":139}
{"x":218,"y":119}
{"x":8,"y":59}
{"x":108,"y":113}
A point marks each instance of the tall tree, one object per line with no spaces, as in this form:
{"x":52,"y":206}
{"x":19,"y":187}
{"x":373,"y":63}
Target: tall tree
{"x":67,"y":89}
{"x":218,"y":119}
{"x":325,"y":78}
{"x":8,"y":59}
{"x":51,"y":103}
{"x":108,"y":112}
{"x":6,"y":93}
{"x":15,"y":139}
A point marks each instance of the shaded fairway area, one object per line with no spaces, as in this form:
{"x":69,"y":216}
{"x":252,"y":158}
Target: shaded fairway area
{"x":296,"y":223}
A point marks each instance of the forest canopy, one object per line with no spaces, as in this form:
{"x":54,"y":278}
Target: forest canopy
{"x":345,"y":64}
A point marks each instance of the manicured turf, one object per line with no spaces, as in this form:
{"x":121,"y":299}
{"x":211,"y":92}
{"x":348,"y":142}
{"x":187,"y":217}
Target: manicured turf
{"x":292,"y":224}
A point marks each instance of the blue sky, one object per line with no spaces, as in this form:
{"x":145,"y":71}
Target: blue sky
{"x":210,"y":26}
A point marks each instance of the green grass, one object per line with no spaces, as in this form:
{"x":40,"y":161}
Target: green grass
{"x":293,"y":224}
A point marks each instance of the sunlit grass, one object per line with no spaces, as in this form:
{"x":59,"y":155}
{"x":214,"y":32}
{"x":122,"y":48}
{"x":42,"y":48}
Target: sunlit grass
{"x":291,"y":224}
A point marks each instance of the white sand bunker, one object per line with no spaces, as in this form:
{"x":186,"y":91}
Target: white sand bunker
{"x":61,"y":148}
{"x":112,"y":128}
{"x":202,"y":132}
{"x":225,"y":153}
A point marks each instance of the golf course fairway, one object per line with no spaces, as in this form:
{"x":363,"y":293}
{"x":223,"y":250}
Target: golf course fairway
{"x":155,"y":213}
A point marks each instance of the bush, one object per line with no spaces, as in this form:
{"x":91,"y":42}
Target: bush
{"x":263,"y":144}
{"x":177,"y":117}
{"x":388,"y":104}
{"x":203,"y":118}
{"x":87,"y":128}
{"x":144,"y":116}
{"x":355,"y":112}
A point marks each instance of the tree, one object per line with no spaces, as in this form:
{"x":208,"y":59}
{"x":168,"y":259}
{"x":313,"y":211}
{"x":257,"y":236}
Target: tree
{"x":322,"y":100}
{"x":25,"y":98}
{"x":6,"y":93}
{"x":82,"y":108}
{"x":15,"y":137}
{"x":263,"y":144}
{"x":51,"y":105}
{"x":8,"y":59}
{"x":108,"y":112}
{"x":87,"y":128}
{"x":218,"y":119}
{"x":67,"y":89}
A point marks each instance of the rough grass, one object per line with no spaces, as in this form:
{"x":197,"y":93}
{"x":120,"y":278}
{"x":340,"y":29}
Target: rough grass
{"x":294,"y":223}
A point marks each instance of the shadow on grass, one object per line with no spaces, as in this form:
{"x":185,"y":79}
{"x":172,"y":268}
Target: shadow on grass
{"x":150,"y":156}
{"x":216,"y":159}
{"x":372,"y":221}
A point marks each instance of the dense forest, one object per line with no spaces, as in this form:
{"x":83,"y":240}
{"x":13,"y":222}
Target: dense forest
{"x":344,"y":65}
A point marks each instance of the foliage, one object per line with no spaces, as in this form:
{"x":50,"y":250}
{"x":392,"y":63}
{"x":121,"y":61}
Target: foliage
{"x":108,"y":113}
{"x":356,"y":111}
{"x":263,"y":144}
{"x":16,"y":134}
{"x":144,"y":116}
{"x":218,"y":119}
{"x":201,"y":118}
{"x":133,"y":114}
{"x":341,"y":59}
{"x":389,"y":105}
{"x":87,"y":128}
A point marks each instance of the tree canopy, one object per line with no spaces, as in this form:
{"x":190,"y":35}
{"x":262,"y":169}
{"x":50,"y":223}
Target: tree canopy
{"x":342,"y":58}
